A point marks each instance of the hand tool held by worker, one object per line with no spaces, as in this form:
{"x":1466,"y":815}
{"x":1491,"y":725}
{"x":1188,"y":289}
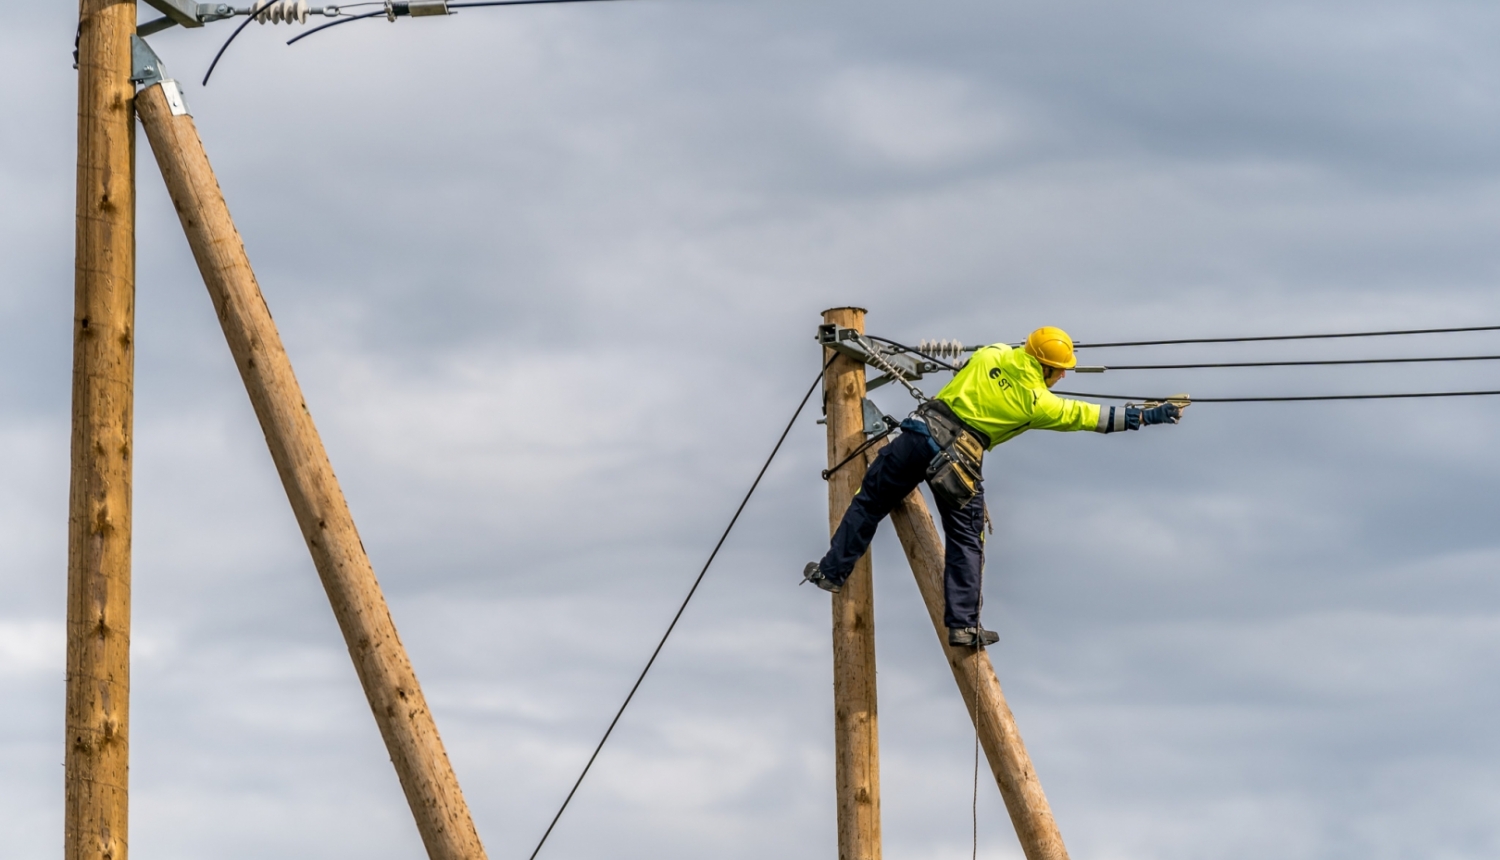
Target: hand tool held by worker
{"x":1166,"y":413}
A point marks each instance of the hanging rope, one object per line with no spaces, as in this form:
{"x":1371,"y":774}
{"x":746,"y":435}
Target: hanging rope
{"x":681,"y":609}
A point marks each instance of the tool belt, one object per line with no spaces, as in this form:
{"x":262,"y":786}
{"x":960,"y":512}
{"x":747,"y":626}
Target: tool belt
{"x":955,"y":472}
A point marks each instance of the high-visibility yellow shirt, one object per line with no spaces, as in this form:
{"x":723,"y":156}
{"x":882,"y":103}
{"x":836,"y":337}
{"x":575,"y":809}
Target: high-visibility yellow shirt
{"x":1000,"y":392}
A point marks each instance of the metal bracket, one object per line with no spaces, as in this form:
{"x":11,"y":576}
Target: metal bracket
{"x":186,"y":13}
{"x":146,"y":70}
{"x":847,"y":341}
{"x":145,"y":66}
{"x":1181,"y":401}
{"x":182,"y":12}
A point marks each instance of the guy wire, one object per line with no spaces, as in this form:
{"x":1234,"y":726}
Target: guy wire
{"x":683,"y":608}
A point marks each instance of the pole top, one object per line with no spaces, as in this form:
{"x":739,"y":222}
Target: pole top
{"x":845,"y":308}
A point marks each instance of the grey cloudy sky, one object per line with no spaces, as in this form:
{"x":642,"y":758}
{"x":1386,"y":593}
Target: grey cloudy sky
{"x":550,"y":276}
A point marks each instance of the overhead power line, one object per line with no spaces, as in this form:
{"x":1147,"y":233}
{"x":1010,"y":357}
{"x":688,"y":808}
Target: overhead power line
{"x":1321,"y":336}
{"x":1309,"y":363}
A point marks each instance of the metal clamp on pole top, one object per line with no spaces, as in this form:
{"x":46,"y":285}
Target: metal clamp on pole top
{"x":898,"y":366}
{"x":146,"y":70}
{"x":185,"y":13}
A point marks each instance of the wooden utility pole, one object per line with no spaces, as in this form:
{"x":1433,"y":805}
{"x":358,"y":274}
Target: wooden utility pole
{"x":410,"y":734}
{"x":96,"y":764}
{"x":1019,"y":786}
{"x":855,"y":723}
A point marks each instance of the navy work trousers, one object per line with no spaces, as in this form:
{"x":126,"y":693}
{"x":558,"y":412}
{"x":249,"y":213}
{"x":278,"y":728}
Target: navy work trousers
{"x":898,"y":469}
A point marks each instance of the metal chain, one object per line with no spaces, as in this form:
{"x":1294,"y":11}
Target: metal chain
{"x":878,"y":360}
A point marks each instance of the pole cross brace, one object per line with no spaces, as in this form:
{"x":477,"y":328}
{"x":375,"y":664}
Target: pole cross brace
{"x":146,"y":70}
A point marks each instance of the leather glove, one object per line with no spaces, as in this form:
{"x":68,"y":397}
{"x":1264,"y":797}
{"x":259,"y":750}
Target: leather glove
{"x":1166,"y":413}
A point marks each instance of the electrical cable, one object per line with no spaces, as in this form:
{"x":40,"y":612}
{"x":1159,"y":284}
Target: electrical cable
{"x":1302,"y":363}
{"x":1292,"y":398}
{"x":1288,"y":337}
{"x":467,"y":5}
{"x":683,"y":608}
{"x":255,"y":9}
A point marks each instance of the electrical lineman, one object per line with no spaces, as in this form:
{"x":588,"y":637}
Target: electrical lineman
{"x":998,"y":395}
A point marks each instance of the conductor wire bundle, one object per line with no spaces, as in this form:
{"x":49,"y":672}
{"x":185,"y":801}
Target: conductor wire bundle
{"x":944,"y":350}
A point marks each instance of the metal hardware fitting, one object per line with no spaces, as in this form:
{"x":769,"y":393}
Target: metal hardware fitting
{"x":876,"y":422}
{"x":414,"y":8}
{"x":145,"y":66}
{"x":1181,"y":401}
{"x":147,"y":71}
{"x":847,"y":341}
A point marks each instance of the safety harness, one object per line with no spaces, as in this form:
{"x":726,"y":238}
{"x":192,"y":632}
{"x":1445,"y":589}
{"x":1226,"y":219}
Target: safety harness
{"x":956,"y":471}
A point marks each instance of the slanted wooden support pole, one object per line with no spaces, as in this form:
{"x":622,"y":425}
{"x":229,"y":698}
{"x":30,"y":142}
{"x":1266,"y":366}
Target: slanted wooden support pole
{"x":411,"y":735}
{"x":855,"y":723}
{"x":96,"y":764}
{"x":1019,"y":786}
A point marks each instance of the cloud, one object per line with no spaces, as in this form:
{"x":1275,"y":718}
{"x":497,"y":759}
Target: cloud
{"x":549,"y":278}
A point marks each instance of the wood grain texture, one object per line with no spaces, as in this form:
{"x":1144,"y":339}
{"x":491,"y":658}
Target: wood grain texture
{"x":96,"y":762}
{"x":1019,"y":786}
{"x":855,"y":715}
{"x":390,"y":683}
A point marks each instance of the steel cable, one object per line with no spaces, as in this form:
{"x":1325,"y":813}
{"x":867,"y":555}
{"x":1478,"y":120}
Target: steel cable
{"x":681,"y":609}
{"x":1304,"y":363}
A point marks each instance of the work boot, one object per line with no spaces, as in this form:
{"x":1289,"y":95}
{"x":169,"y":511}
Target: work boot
{"x":971,"y":637}
{"x":814,"y":574}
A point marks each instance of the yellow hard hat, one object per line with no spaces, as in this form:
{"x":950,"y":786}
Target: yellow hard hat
{"x":1052,"y":346}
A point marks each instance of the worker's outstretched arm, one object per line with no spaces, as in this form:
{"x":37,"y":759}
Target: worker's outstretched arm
{"x":1113,"y":418}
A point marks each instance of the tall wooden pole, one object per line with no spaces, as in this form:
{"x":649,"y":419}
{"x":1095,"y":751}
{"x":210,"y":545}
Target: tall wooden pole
{"x":96,"y":764}
{"x":1019,"y":786}
{"x":855,"y":723}
{"x":411,"y":735}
